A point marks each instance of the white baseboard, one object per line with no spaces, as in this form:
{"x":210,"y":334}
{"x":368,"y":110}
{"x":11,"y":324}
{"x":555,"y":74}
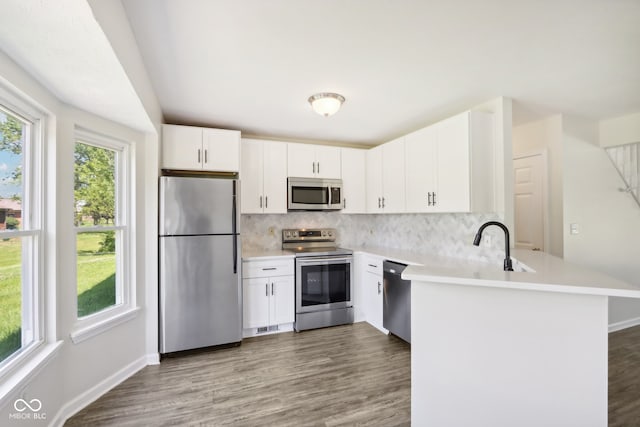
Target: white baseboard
{"x":618,"y":326}
{"x":89,"y":396}
{"x":153,"y":359}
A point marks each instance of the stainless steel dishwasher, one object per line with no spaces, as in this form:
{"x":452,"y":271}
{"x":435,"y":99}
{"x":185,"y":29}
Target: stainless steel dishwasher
{"x":396,"y":312}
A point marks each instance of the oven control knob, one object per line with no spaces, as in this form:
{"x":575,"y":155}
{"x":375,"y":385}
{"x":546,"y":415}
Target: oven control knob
{"x":330,"y":233}
{"x":287,"y":234}
{"x":324,"y":233}
{"x":295,"y":234}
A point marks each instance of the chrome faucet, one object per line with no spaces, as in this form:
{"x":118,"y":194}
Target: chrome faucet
{"x":507,"y":259}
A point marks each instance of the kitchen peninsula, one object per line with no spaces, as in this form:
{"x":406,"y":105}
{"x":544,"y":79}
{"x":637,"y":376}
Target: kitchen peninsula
{"x":495,"y":348}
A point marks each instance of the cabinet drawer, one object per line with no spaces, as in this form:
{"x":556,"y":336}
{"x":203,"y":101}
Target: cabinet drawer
{"x":373,"y":265}
{"x":269,"y":268}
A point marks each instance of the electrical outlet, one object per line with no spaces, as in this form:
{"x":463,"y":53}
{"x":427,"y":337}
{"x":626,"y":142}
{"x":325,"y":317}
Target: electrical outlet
{"x":486,"y":240}
{"x":574,"y":228}
{"x":272,"y":231}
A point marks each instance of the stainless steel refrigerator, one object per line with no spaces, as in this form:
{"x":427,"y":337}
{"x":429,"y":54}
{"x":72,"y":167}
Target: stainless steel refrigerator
{"x":199,"y":249}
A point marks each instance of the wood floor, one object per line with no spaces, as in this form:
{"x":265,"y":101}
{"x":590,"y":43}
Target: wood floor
{"x":624,"y":378}
{"x":346,"y":375}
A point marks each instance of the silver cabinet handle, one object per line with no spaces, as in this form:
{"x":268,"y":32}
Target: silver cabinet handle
{"x":429,"y":198}
{"x":271,"y":288}
{"x":199,"y":155}
{"x":314,"y":167}
{"x":379,"y":284}
{"x":206,"y":152}
{"x":344,"y":203}
{"x":266,"y":202}
{"x":379,"y":203}
{"x":373,"y":265}
{"x":383,"y":203}
{"x":318,"y":167}
{"x":269,"y":268}
{"x":434,"y":198}
{"x":260,"y":202}
{"x":266,"y":289}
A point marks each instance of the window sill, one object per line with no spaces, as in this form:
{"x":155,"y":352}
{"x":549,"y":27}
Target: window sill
{"x":28,"y":370}
{"x":84,"y":333}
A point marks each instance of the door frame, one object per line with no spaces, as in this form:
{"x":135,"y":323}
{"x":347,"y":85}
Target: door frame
{"x":544,"y":156}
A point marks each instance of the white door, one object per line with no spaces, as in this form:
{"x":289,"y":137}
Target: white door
{"x":282,"y":304}
{"x":373,"y":295}
{"x":421,"y":163}
{"x":255,"y":302}
{"x":221,"y":150}
{"x":251,"y":173}
{"x":374,"y":179}
{"x":301,"y":160}
{"x":328,"y":162}
{"x":393,"y":175}
{"x":181,"y":147}
{"x":275,"y":177}
{"x":528,"y":173}
{"x":453,"y":194}
{"x":354,"y":180}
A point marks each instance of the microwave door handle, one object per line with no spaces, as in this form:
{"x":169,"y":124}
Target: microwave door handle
{"x":329,"y":190}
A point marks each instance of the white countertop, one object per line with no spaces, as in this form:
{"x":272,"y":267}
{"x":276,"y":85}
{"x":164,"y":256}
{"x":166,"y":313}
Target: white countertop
{"x":551,"y":274}
{"x":263,"y":254}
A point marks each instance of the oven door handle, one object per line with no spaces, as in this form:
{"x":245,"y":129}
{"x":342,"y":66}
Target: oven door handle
{"x":316,"y":261}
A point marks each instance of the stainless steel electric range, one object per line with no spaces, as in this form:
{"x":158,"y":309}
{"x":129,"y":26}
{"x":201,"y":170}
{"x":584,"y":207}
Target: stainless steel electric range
{"x":324,"y":278}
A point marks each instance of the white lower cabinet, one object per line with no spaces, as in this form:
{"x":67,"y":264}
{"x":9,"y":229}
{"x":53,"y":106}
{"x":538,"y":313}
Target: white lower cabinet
{"x":268,"y":296}
{"x":372,"y":291}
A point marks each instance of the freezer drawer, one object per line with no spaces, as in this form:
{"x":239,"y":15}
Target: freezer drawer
{"x":200,"y":296}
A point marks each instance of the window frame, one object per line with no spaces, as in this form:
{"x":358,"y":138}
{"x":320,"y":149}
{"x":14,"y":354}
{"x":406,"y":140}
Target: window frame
{"x":125,"y":307}
{"x":32,"y":228}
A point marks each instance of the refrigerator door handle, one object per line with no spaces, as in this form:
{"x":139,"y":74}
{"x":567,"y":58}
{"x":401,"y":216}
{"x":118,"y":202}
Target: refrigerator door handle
{"x":234,"y":231}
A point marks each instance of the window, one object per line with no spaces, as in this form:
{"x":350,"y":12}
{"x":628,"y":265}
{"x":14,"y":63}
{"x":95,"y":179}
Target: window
{"x":20,"y":229}
{"x":101,"y":179}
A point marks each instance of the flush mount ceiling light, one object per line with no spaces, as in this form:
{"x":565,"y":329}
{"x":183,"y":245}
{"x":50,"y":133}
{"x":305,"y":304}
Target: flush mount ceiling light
{"x":326,"y":103}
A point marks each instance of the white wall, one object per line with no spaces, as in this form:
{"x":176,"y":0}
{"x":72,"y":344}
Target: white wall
{"x":620,"y":130}
{"x":537,"y":136}
{"x":111,"y":17}
{"x":81,"y":372}
{"x":609,"y":221}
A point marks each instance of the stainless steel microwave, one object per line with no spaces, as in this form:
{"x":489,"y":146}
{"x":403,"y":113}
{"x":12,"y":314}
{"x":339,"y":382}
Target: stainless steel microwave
{"x":314,"y":194}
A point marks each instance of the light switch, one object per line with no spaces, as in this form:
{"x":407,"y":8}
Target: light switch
{"x":574,"y":228}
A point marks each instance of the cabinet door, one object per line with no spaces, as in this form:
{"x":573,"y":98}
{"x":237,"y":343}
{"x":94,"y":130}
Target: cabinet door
{"x":421,"y":169}
{"x":251,"y":176}
{"x":328,"y":162}
{"x":374,"y":179}
{"x":182,"y":147}
{"x":301,"y":160}
{"x":373,"y":298}
{"x":221,"y":150}
{"x":354,"y":180}
{"x":282,"y":303}
{"x":453,"y":194}
{"x":255,"y":302}
{"x":275,"y":177}
{"x":393,"y":172}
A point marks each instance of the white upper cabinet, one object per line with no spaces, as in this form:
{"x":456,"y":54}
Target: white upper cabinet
{"x":450,"y":165}
{"x":263,"y":176}
{"x":313,"y":161}
{"x":195,"y":148}
{"x":354,"y":186}
{"x":421,"y":169}
{"x":386,"y":178}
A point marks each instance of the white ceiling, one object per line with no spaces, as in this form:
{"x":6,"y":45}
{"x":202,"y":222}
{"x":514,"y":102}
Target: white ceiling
{"x":63,"y":47}
{"x":252,"y":64}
